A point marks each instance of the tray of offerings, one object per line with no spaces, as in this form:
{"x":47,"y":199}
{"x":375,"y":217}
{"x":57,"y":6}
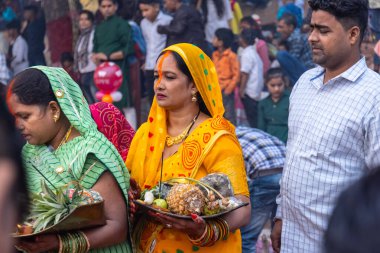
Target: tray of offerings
{"x":209,"y":197}
{"x":62,"y":209}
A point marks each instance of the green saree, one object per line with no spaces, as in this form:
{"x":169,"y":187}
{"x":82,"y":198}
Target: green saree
{"x":82,"y":159}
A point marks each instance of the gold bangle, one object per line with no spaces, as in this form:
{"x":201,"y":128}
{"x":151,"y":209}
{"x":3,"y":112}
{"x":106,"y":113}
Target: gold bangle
{"x":87,"y":241}
{"x":60,"y":246}
{"x":200,"y":238}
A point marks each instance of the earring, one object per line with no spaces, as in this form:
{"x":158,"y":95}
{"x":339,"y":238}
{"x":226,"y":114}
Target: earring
{"x":194,"y":97}
{"x":55,"y":118}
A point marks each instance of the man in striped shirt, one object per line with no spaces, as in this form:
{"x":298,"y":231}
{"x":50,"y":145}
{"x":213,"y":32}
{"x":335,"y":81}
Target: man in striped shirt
{"x":264,"y":157}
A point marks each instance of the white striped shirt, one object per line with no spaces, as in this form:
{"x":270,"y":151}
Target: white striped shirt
{"x":334,"y":138}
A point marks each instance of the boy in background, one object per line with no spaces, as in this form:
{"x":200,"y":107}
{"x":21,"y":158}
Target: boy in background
{"x":251,"y":72}
{"x":17,"y":57}
{"x":227,"y":67}
{"x":155,"y":42}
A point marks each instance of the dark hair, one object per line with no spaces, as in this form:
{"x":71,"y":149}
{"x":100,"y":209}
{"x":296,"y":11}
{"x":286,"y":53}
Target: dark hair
{"x":33,"y":8}
{"x":348,"y":12}
{"x":355,"y":221}
{"x":32,"y":87}
{"x":184,"y":69}
{"x":150,"y":2}
{"x":249,"y":36}
{"x":14,"y":24}
{"x":250,"y":21}
{"x":284,"y":43}
{"x":274,"y":73}
{"x":289,"y":19}
{"x":89,"y":14}
{"x":254,"y":25}
{"x":10,"y":148}
{"x":219,"y":6}
{"x":226,"y":36}
{"x":66,"y":56}
{"x":113,"y":1}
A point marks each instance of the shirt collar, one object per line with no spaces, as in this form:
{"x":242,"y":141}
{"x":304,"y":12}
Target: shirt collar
{"x":351,"y":74}
{"x":159,"y":16}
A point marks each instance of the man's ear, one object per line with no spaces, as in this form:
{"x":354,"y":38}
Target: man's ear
{"x":354,"y":34}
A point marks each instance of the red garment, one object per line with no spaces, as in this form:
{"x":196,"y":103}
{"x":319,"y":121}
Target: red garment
{"x":112,"y":123}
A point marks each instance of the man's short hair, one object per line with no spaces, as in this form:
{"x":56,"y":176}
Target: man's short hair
{"x":33,"y":8}
{"x":249,"y":20}
{"x":89,"y":14}
{"x":348,"y":12}
{"x":225,"y":35}
{"x":249,"y":36}
{"x":289,"y":19}
{"x":113,"y":1}
{"x":150,"y":2}
{"x":13,"y":25}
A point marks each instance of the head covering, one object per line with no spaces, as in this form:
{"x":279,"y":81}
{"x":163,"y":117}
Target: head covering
{"x":148,"y":152}
{"x":112,"y":123}
{"x":74,"y":106}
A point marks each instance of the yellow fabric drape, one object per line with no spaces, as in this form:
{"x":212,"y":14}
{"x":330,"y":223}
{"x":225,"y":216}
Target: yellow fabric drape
{"x":149,"y":149}
{"x":213,"y":152}
{"x":237,"y":16}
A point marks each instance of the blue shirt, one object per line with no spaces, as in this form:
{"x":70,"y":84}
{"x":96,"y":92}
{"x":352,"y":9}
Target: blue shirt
{"x":299,"y":48}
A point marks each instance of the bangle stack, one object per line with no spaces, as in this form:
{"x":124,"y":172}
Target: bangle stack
{"x":73,"y":242}
{"x":215,"y":230}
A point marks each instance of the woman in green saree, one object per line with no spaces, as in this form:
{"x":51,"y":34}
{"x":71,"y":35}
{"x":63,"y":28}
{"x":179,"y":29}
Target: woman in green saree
{"x":64,"y":144}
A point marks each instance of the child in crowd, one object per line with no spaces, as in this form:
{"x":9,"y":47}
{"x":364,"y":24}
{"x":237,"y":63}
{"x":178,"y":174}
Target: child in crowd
{"x":67,"y":63}
{"x":251,"y":71}
{"x":227,"y":67}
{"x":274,"y":110}
{"x":261,"y":46}
{"x":155,"y":42}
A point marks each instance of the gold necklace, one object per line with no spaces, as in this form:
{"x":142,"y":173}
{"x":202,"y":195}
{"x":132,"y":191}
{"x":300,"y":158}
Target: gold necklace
{"x":170,"y":140}
{"x":65,"y":138}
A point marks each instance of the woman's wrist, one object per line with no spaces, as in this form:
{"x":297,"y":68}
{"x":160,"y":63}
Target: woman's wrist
{"x":198,"y":231}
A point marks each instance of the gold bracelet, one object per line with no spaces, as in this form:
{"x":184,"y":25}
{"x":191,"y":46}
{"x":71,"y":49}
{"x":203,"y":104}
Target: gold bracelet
{"x":60,"y":247}
{"x":200,"y":238}
{"x":87,"y":241}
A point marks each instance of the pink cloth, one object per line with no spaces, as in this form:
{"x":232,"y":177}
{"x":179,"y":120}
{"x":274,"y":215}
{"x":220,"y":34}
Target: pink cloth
{"x":262,"y":50}
{"x":377,"y":48}
{"x":112,"y":123}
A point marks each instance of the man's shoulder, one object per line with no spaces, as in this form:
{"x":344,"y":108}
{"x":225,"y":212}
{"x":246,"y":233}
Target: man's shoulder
{"x":371,"y":81}
{"x":165,"y":17}
{"x":308,"y":75}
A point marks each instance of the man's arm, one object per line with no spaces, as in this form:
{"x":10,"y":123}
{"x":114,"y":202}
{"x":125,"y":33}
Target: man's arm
{"x":177,"y":26}
{"x":296,"y":47}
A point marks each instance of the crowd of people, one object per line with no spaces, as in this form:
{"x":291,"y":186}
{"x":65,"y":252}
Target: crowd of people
{"x":310,"y":130}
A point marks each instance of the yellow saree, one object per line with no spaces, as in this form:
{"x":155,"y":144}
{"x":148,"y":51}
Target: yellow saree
{"x":211,"y":147}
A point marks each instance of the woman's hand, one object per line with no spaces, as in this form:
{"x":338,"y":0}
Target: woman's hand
{"x":40,"y":243}
{"x":134,"y":193}
{"x":193,"y":228}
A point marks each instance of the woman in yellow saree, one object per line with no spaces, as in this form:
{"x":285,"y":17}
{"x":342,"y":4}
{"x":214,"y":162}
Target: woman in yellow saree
{"x":186,"y":130}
